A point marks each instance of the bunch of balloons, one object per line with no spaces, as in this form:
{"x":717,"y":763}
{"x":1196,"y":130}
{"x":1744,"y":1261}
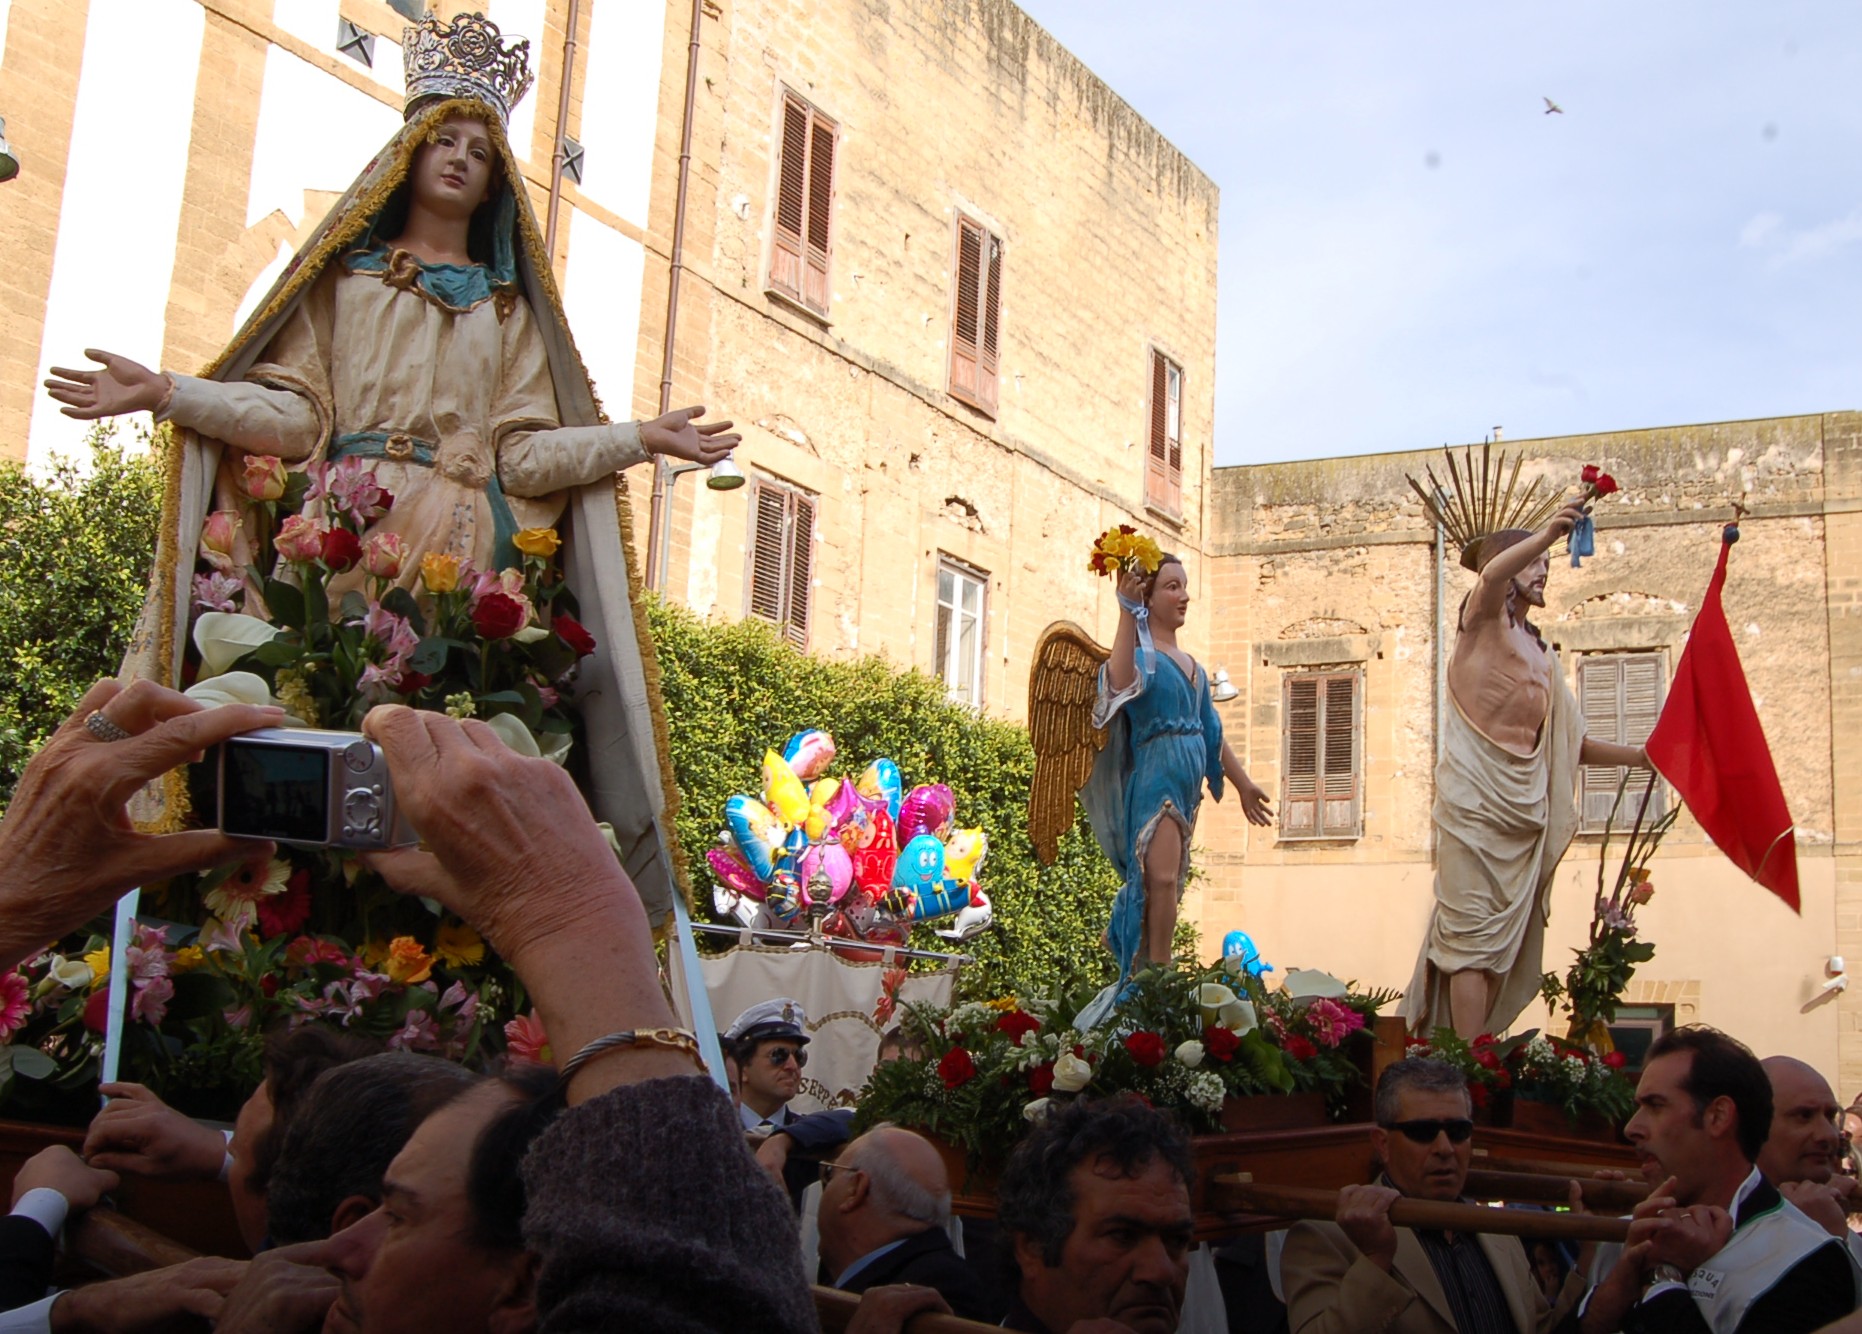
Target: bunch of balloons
{"x":861,"y":857}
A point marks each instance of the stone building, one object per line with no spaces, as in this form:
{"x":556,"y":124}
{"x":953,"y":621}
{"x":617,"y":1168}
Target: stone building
{"x":961,"y":299}
{"x":176,"y":152}
{"x":1333,"y":591}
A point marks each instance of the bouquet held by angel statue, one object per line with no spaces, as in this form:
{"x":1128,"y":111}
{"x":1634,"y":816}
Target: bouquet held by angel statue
{"x":1133,"y":730}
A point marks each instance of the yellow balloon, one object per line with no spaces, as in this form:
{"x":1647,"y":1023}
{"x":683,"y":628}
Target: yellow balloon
{"x":783,"y":790}
{"x":964,"y":851}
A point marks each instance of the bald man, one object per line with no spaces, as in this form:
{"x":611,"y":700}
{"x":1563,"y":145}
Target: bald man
{"x":1800,"y":1155}
{"x":885,"y":1207}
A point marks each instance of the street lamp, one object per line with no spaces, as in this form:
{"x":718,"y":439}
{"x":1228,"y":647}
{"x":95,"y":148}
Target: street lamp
{"x":725,"y":476}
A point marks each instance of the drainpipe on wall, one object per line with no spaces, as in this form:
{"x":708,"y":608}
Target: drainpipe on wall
{"x":559,"y":159}
{"x":1441,"y":653}
{"x":658,"y":520}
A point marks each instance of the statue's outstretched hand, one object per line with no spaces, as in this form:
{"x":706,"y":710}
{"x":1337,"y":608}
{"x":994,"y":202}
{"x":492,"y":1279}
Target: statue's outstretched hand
{"x":680,"y":435}
{"x":121,"y":386}
{"x":1254,"y":802}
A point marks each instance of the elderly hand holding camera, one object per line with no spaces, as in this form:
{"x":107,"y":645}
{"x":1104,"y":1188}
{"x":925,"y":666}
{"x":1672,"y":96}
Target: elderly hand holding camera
{"x":67,"y":845}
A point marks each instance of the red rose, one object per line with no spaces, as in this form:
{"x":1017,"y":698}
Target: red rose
{"x":1041,"y":1079}
{"x":1615,"y":1060}
{"x":412,"y":683}
{"x":1221,"y":1043}
{"x":956,"y":1069}
{"x":97,"y":1010}
{"x":286,"y":912}
{"x":1503,"y":1079}
{"x":1605,"y":484}
{"x":570,"y":631}
{"x":341,"y":549}
{"x":386,"y":502}
{"x":1015,"y":1023}
{"x":1487,"y":1058}
{"x":1478,"y":1095}
{"x":1146,"y":1048}
{"x":498,"y":616}
{"x":1300,"y":1049}
{"x":1590,"y":474}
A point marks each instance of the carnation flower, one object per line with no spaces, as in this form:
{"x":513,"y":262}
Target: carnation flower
{"x":527,"y":1042}
{"x":1016,"y":1023}
{"x":1299,"y":1048}
{"x":15,"y":1003}
{"x":956,"y":1068}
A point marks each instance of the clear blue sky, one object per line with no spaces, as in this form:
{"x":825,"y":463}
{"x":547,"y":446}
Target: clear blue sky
{"x":1413,"y":252}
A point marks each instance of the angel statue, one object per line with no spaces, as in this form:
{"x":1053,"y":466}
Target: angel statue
{"x":1134,"y":731}
{"x":419,"y":334}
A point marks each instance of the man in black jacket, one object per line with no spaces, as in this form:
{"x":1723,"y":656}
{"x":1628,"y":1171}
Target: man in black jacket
{"x":1714,"y":1247}
{"x":885,"y":1204}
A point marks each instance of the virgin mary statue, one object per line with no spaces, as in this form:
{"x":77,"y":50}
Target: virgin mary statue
{"x":420,"y":329}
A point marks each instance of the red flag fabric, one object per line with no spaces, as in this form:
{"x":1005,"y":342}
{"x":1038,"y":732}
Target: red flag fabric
{"x":1709,"y":745}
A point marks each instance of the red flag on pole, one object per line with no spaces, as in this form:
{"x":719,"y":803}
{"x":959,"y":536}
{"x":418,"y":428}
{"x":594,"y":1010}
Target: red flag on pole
{"x":1709,"y":744}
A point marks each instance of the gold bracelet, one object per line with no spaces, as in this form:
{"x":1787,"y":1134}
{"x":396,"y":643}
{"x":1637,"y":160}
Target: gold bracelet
{"x":672,"y":1039}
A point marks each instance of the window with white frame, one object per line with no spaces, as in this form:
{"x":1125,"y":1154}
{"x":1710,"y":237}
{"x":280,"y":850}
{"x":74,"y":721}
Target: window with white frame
{"x":958,"y":639}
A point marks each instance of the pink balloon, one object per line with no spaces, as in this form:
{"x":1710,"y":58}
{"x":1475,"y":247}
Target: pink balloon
{"x":838,"y":867}
{"x":927,"y":809}
{"x":733,"y":873}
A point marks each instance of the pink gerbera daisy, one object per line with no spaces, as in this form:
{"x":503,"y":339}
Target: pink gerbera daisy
{"x":15,"y":1003}
{"x":528,"y":1042}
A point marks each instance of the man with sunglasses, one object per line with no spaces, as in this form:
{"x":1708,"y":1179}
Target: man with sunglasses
{"x":1361,"y":1272}
{"x":769,"y":1040}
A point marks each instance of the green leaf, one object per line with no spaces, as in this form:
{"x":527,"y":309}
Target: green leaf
{"x":286,"y":602}
{"x":277,"y":653}
{"x":402,"y":603}
{"x":31,"y":1063}
{"x":354,"y":606}
{"x":429,"y":656}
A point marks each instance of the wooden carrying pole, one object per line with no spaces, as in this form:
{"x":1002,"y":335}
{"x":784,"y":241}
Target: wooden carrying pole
{"x":836,"y":1308}
{"x":116,"y":1247}
{"x":1614,"y":1197}
{"x":1237,"y":1195}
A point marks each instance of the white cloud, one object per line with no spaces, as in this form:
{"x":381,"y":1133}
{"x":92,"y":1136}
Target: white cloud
{"x":1756,"y":233}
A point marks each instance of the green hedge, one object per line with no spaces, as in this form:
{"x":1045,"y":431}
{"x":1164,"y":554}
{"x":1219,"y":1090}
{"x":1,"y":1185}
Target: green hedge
{"x":734,"y":690}
{"x":75,"y":552}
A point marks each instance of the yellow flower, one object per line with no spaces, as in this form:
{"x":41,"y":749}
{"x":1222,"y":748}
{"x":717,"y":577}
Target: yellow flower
{"x":374,"y":951}
{"x":99,"y":960}
{"x":407,"y":962}
{"x":188,"y":958}
{"x":294,"y":694}
{"x":1002,"y":1004}
{"x":439,"y":571}
{"x":456,"y":945}
{"x":539,"y":542}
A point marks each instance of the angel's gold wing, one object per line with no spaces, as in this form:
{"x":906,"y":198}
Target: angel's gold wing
{"x":1061,"y":687}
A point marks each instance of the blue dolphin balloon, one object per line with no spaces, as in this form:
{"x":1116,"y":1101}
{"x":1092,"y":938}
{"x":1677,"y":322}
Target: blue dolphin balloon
{"x":1241,"y":956}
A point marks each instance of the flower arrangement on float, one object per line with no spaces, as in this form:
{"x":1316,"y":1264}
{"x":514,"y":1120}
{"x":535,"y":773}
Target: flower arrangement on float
{"x":218,"y":959}
{"x":976,"y":1074}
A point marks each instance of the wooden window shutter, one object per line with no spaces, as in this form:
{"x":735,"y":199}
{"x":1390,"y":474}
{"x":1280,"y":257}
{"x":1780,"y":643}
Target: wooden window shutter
{"x":976,"y":316}
{"x":1321,"y":787}
{"x":801,"y":569}
{"x":785,"y":262}
{"x":1157,"y":457}
{"x":768,"y":549}
{"x":820,"y":216}
{"x":1621,"y":697}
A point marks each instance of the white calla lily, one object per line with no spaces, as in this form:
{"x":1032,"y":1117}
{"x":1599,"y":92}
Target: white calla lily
{"x":1313,"y":984}
{"x":236,"y":688}
{"x":530,"y":634}
{"x":512,"y":732}
{"x":224,"y":637}
{"x":1211,"y":997}
{"x":1238,"y":1017}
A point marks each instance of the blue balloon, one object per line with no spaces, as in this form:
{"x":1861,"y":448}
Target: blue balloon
{"x":1241,"y":956}
{"x":950,"y":896}
{"x":920,"y":867}
{"x":756,"y":831}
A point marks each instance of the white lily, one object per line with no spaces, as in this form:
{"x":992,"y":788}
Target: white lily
{"x":224,"y":637}
{"x":1212,"y":996}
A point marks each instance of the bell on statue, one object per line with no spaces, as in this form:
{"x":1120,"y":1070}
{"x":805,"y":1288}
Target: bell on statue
{"x":724,"y":476}
{"x":9,"y":163}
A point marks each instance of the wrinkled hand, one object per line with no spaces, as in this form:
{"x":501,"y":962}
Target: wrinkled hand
{"x":59,"y":1169}
{"x":515,"y":851}
{"x":67,"y":847}
{"x":285,"y":1290}
{"x":1566,"y":519}
{"x":1254,"y":803}
{"x":1827,"y":1205}
{"x":148,"y":1301}
{"x":887,"y":1310}
{"x":138,"y":1133}
{"x":1364,"y":1217}
{"x":772,"y":1155}
{"x":680,"y":435}
{"x":121,"y":386}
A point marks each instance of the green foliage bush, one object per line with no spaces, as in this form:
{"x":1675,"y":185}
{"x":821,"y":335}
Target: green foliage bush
{"x":75,"y":553}
{"x":733,"y":691}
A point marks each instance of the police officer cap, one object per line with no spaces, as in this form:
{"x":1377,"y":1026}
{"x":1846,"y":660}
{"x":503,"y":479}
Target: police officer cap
{"x":778,"y":1018}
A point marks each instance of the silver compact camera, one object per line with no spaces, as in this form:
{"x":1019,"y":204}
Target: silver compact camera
{"x":310,"y":788}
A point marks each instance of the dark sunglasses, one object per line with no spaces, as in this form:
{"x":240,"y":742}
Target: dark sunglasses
{"x":780,"y":1056}
{"x":1459,"y":1130}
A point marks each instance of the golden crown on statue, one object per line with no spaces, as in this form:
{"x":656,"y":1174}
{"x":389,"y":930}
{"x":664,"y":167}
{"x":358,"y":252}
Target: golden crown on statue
{"x":465,"y":58}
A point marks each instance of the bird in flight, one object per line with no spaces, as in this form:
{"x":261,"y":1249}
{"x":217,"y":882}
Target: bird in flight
{"x":1552,"y":108}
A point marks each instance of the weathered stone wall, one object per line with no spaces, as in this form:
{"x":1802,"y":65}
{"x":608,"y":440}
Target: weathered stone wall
{"x":1331,"y":563}
{"x":1109,"y":249}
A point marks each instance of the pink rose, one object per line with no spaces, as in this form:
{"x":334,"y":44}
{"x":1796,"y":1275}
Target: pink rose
{"x":300,"y":539}
{"x":383,"y":555}
{"x":264,"y":479}
{"x":216,"y":540}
